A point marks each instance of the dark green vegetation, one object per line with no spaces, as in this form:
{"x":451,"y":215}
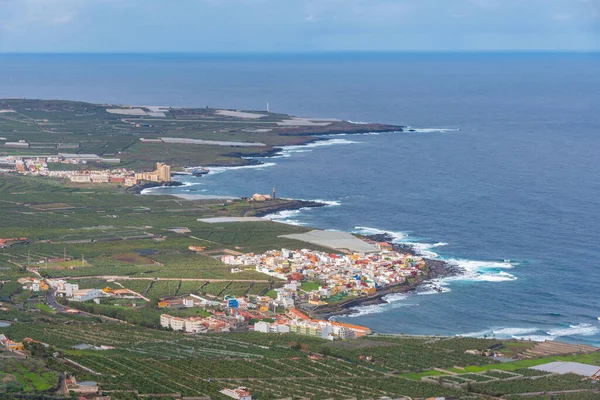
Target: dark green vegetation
{"x":127,"y":236}
{"x":25,"y":375}
{"x":116,"y":239}
{"x":52,"y":127}
{"x":152,"y":361}
{"x":121,"y":234}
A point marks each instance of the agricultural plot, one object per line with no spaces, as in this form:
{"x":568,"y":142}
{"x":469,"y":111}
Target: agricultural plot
{"x":154,"y":361}
{"x":9,"y":289}
{"x":160,"y":289}
{"x":527,"y":385}
{"x":94,"y":283}
{"x":253,"y":236}
{"x":190,"y":287}
{"x":192,"y":265}
{"x":138,"y":286}
{"x":501,"y":374}
{"x":214,"y":288}
{"x":415,"y":354}
{"x":26,"y":375}
{"x":237,"y":288}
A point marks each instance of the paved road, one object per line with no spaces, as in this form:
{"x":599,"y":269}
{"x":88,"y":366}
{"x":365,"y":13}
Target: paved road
{"x":51,"y":300}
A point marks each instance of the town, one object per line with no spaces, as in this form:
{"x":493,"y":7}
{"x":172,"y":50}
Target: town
{"x":42,"y":166}
{"x":309,"y":279}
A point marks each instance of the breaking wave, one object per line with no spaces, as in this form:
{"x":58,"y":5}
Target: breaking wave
{"x":286,"y":151}
{"x":220,"y":170}
{"x":394,"y":300}
{"x":287,"y":216}
{"x":535,"y":334}
{"x":473,"y":270}
{"x":432,"y":130}
{"x":514,"y":331}
{"x":581,"y":329}
{"x":398,"y":237}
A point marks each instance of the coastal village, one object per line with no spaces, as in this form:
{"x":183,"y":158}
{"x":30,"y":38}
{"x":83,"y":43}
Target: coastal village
{"x":312,"y":279}
{"x":105,"y":294}
{"x":307,"y":280}
{"x":40,"y":166}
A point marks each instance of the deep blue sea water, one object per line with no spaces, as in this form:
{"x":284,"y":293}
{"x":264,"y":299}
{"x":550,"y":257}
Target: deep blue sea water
{"x":505,"y":166}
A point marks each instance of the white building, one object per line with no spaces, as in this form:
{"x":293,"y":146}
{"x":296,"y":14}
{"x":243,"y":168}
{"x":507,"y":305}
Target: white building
{"x":195,"y":325}
{"x":69,"y":288}
{"x":177,"y":324}
{"x":80,"y":178}
{"x":261,"y":326}
{"x":240,"y":393}
{"x":266,"y":327}
{"x":190,"y":325}
{"x":85,"y":294}
{"x":343,"y":333}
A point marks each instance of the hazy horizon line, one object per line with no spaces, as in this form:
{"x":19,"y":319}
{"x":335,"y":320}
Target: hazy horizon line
{"x":311,"y":52}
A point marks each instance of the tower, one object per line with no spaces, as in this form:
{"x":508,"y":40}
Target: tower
{"x":268,"y":109}
{"x":273,"y":196}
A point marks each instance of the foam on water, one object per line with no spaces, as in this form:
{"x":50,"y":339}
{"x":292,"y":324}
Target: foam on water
{"x":424,"y":249}
{"x":285,"y":217}
{"x":482,"y":271}
{"x":394,"y":297}
{"x":398,"y":237}
{"x":519,"y":333}
{"x":435,"y":287}
{"x":319,"y":143}
{"x":393,"y":300}
{"x":581,"y":329}
{"x":330,"y":203}
{"x":474,"y":265}
{"x":514,"y":331}
{"x":536,"y":334}
{"x":220,"y":170}
{"x":432,"y":130}
{"x":478,"y":334}
{"x":151,"y":190}
{"x":534,"y":338}
{"x":365,"y":310}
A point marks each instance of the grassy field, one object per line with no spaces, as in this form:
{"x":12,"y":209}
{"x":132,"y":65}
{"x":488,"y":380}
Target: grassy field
{"x":26,"y":375}
{"x":154,"y":361}
{"x":103,"y":227}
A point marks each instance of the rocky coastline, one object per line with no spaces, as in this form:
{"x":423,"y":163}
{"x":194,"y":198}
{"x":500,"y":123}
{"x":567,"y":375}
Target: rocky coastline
{"x":137,"y":189}
{"x":305,"y":138}
{"x":279,"y":207}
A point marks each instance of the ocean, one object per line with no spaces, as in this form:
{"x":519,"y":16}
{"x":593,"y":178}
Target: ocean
{"x":502,"y":175}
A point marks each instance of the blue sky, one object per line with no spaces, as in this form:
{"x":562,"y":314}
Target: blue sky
{"x":297,"y":25}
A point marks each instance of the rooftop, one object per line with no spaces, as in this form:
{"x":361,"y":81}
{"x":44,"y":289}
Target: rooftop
{"x":335,"y":240}
{"x":558,"y":367}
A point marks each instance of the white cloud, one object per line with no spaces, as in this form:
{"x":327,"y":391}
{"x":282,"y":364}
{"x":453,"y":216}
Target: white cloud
{"x":39,"y":13}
